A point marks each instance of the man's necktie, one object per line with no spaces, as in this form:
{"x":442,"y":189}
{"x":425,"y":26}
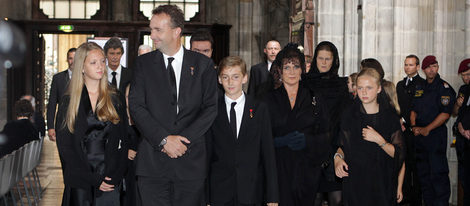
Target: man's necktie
{"x":171,"y":74}
{"x":233,"y":119}
{"x":113,"y":81}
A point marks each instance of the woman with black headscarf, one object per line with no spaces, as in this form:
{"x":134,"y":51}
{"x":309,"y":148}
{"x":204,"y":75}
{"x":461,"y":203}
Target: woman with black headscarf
{"x":331,"y":94}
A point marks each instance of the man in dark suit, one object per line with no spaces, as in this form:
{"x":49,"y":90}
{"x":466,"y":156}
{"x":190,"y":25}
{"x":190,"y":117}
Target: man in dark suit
{"x":173,"y":102}
{"x":59,"y":85}
{"x":240,"y":140}
{"x":406,"y":89}
{"x":260,"y":72}
{"x":118,"y":75}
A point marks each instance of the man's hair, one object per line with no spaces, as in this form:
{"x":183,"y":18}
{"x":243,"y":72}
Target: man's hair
{"x":274,"y":40}
{"x":201,"y":35}
{"x":23,"y":108}
{"x":232,"y":61}
{"x":113,"y":43}
{"x":71,"y":50}
{"x":413,"y":56}
{"x":175,"y":13}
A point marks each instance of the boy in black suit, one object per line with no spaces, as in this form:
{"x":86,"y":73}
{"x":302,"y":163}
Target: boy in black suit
{"x":242,"y":161}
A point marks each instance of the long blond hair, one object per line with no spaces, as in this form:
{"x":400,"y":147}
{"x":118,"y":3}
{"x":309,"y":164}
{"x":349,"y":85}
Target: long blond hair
{"x":104,"y":107}
{"x":391,"y":92}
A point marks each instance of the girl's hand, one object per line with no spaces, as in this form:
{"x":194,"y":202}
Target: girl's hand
{"x":371,"y":135}
{"x":105,"y":187}
{"x":399,"y":195}
{"x":340,"y":166}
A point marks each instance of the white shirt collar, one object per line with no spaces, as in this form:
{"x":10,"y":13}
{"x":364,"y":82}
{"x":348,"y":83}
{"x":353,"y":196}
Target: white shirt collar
{"x":269,"y":65}
{"x":118,"y":70}
{"x":229,"y":101}
{"x":178,"y":55}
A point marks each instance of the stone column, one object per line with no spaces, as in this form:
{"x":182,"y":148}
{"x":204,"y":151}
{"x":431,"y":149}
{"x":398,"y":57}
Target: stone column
{"x":351,"y":56}
{"x":330,"y":26}
{"x":377,"y":33}
{"x":467,"y":29}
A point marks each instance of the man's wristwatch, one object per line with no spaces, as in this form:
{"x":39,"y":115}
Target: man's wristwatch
{"x":163,"y":142}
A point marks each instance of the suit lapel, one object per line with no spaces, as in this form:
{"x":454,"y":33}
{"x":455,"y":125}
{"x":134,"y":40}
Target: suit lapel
{"x":187,"y":71}
{"x":249,"y":105}
{"x":223,"y":120}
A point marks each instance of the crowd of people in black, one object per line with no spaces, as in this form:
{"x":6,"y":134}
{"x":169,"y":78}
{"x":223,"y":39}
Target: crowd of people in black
{"x":172,"y":130}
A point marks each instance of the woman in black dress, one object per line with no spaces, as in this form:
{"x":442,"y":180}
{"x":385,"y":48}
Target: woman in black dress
{"x":331,"y":93}
{"x":291,"y":111}
{"x":371,"y":149}
{"x":91,"y":123}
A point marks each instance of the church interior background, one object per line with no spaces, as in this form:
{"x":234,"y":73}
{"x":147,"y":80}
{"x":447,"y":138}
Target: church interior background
{"x":387,"y":30}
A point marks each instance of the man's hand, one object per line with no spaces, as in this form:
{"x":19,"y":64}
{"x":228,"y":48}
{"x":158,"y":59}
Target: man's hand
{"x":131,"y":154}
{"x":459,"y":101}
{"x":51,"y":134}
{"x":174,"y":146}
{"x":424,"y":131}
{"x":272,"y":204}
{"x":416,"y":130}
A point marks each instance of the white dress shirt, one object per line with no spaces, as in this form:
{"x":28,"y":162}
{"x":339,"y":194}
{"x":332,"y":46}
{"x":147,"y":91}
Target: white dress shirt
{"x":410,"y":79}
{"x":177,"y":65}
{"x":269,"y":65}
{"x":118,"y":75}
{"x":239,"y":107}
{"x":69,"y":71}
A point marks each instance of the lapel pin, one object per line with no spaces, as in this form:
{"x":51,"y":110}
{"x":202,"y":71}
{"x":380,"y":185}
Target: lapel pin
{"x":251,"y":113}
{"x":192,"y":71}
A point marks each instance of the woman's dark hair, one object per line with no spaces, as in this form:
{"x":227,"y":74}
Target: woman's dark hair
{"x":290,"y":53}
{"x":23,"y":108}
{"x":326,"y":46}
{"x":374,"y":64}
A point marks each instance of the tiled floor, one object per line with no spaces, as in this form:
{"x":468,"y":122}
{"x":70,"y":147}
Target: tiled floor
{"x":50,"y":174}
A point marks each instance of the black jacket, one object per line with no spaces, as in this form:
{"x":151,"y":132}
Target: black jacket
{"x":76,"y":169}
{"x":154,"y":113}
{"x":59,"y":85}
{"x":16,"y":134}
{"x":258,"y":75}
{"x":247,"y":162}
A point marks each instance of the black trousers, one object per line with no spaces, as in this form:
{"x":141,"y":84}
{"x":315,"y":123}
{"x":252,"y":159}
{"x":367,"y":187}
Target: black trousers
{"x":411,"y":186}
{"x":167,"y":192}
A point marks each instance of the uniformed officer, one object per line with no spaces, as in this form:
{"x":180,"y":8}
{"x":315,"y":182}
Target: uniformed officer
{"x":406,"y":89}
{"x":462,"y":108}
{"x":432,"y":106}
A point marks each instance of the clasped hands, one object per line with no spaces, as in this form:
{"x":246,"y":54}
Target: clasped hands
{"x":420,"y":131}
{"x":175,"y":146}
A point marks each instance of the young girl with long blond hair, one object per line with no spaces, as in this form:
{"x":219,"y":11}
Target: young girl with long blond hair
{"x":91,"y":125}
{"x":371,"y":147}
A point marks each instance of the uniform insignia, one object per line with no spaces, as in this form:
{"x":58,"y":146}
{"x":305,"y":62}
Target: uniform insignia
{"x":446,"y":85}
{"x":251,"y":113}
{"x":419,"y":93}
{"x":314,"y":101}
{"x":461,"y":94}
{"x":192,"y":71}
{"x":445,"y":100}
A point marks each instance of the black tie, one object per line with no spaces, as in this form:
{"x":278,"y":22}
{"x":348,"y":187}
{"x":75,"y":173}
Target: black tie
{"x":171,"y":74}
{"x":113,"y":81}
{"x":233,"y":119}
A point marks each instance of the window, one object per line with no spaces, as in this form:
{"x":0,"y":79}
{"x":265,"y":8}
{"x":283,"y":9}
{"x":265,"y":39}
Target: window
{"x":69,"y":9}
{"x":189,"y":7}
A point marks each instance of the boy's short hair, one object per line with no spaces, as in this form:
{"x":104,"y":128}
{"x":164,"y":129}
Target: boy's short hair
{"x":232,"y":61}
{"x":23,"y":108}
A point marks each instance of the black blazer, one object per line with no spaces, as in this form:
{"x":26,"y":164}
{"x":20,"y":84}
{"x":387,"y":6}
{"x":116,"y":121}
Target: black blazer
{"x":76,"y":169}
{"x":59,"y":85}
{"x":126,"y":78}
{"x":405,"y":96}
{"x":258,"y":74}
{"x":247,"y":163}
{"x":154,"y":113}
{"x":17,"y":133}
